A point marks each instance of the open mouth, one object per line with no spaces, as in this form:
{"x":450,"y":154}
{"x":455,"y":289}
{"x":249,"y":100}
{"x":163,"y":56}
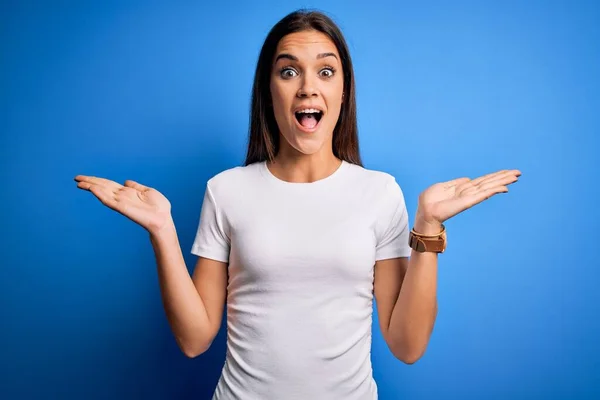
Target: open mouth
{"x":309,"y":119}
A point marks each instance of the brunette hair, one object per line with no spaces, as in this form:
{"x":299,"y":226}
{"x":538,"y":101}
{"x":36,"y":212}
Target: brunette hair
{"x":263,"y":142}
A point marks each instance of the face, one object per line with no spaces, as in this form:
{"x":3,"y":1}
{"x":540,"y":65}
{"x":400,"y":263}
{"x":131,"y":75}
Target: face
{"x":306,"y":88}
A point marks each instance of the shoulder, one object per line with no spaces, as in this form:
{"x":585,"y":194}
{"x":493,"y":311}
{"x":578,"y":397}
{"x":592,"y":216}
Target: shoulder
{"x":233,"y":179}
{"x":378,"y":181}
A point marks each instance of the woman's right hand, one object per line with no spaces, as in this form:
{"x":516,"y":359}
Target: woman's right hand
{"x":142,"y":204}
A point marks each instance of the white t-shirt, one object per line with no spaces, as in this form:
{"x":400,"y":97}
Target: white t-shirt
{"x":300,"y":291}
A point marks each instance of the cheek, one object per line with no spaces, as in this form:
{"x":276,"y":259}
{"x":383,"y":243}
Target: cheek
{"x":335,"y":93}
{"x":335,"y":104}
{"x":279,"y":110}
{"x":279,"y":102}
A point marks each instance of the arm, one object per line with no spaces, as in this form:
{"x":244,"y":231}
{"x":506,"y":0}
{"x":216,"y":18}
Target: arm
{"x":405,"y":291}
{"x":194,"y":306}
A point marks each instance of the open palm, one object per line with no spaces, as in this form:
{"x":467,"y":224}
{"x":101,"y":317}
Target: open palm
{"x":142,"y":204}
{"x":446,"y":199}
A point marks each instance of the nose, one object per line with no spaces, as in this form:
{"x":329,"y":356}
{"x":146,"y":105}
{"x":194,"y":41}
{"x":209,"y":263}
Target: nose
{"x":308,"y":88}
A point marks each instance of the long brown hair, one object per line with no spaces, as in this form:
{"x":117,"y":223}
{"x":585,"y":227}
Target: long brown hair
{"x":263,"y":142}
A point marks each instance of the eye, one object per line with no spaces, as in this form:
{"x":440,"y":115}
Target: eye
{"x":287,"y":73}
{"x":327,"y":72}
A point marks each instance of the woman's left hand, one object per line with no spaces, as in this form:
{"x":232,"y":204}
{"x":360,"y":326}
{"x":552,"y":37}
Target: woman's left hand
{"x":444,"y":200}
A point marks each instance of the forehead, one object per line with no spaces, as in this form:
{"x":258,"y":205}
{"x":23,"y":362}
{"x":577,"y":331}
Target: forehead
{"x":307,"y":43}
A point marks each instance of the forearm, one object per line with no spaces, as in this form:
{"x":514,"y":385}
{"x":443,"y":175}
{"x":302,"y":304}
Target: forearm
{"x":183,"y":305}
{"x":415,"y":310}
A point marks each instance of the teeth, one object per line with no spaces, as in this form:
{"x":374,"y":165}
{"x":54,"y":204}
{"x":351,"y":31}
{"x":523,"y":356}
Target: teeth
{"x":308,"y":110}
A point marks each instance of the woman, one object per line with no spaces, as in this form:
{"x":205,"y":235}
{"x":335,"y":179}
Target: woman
{"x":300,"y":239}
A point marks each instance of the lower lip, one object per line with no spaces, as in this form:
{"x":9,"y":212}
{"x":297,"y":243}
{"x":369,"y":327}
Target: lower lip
{"x":305,"y":129}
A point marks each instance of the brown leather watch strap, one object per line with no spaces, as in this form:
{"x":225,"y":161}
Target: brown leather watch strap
{"x":428,"y":243}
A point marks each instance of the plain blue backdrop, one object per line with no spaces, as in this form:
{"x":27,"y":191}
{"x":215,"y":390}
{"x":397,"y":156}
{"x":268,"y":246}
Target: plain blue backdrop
{"x":159,"y":93}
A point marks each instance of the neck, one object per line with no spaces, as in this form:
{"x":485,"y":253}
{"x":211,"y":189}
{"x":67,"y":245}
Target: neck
{"x":303,"y":168}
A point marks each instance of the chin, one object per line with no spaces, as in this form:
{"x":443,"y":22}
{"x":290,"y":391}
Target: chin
{"x":306,"y":143}
{"x":308,"y":150}
{"x":306,"y":146}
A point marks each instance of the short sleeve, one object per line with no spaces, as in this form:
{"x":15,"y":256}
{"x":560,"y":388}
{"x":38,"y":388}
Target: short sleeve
{"x":391,"y":228}
{"x":212,"y":239}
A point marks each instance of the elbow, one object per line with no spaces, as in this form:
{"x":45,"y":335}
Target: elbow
{"x":409,"y":347}
{"x":193,"y":350}
{"x":409,"y":358}
{"x":192,"y":353}
{"x":407,"y":353}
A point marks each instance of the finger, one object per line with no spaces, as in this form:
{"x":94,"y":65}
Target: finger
{"x":456,"y":182}
{"x":135,"y":185}
{"x":481,"y":196}
{"x":474,"y":182}
{"x":492,"y":175}
{"x":84,"y":185}
{"x":491,"y":184}
{"x":502,"y":180}
{"x":503,"y":173}
{"x":106,"y":196}
{"x":511,"y":173}
{"x":469,"y":187}
{"x":94,"y":180}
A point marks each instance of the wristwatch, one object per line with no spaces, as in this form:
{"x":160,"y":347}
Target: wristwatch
{"x":428,"y":243}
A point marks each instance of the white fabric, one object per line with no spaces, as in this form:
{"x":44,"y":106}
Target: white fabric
{"x":300,"y":290}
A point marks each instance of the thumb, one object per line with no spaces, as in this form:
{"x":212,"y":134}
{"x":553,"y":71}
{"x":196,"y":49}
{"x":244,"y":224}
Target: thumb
{"x":135,"y":185}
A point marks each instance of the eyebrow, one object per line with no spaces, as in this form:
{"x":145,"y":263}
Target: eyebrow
{"x":294,"y":58}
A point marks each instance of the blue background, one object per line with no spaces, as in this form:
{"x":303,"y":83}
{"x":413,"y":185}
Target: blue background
{"x":159,"y":93}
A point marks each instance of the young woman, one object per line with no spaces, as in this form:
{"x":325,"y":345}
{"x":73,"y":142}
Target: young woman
{"x":299,"y":240}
